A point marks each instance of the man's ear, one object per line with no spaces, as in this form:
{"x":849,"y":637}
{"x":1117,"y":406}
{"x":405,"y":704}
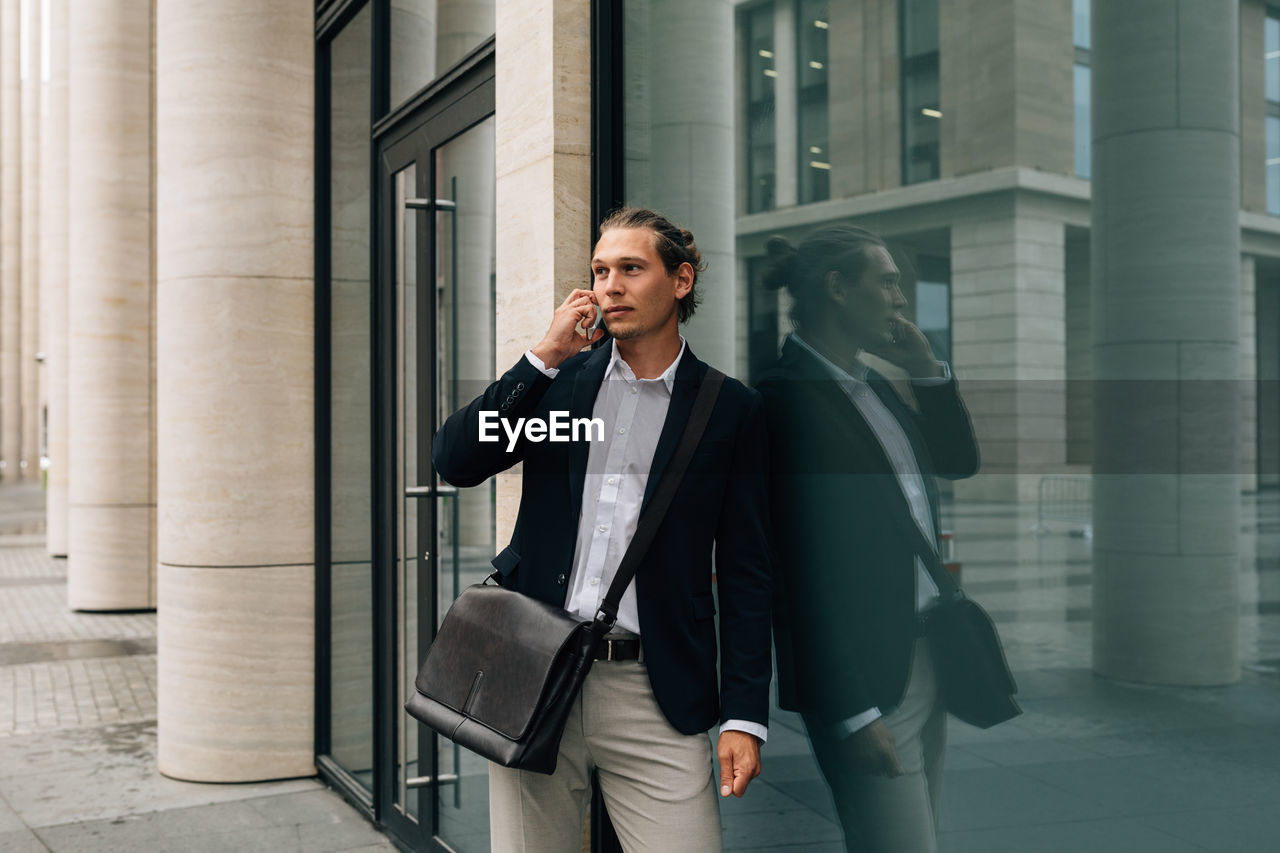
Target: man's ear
{"x":833,"y":286}
{"x":684,"y":280}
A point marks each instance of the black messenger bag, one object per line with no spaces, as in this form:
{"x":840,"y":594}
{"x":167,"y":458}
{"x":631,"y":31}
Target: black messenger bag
{"x":504,"y":669}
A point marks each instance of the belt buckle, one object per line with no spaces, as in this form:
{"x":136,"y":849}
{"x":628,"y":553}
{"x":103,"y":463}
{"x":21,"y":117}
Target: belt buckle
{"x":608,"y":655}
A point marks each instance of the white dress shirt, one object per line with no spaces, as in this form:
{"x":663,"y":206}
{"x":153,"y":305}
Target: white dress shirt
{"x":897,"y":447}
{"x":634,"y":411}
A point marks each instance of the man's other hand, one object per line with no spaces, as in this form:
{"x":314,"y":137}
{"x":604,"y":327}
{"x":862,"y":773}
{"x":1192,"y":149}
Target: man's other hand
{"x":739,"y":755}
{"x":870,"y":751}
{"x":564,"y":339}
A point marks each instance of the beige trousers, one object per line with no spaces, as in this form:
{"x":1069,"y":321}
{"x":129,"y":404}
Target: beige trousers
{"x":899,"y":815}
{"x":659,"y":785}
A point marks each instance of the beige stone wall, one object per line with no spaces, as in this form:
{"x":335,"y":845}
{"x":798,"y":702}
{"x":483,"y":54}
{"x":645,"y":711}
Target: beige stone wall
{"x":1008,"y":338}
{"x":865,"y":98}
{"x":1006,"y":74}
{"x":235,"y":203}
{"x":543,"y":138}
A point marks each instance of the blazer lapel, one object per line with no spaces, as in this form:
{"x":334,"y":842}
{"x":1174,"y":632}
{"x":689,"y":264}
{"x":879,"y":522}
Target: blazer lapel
{"x":684,"y":390}
{"x":845,"y":413}
{"x":586,"y":385}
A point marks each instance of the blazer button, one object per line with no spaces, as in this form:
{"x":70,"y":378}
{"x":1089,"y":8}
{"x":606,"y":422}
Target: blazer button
{"x":519,"y":386}
{"x":560,"y":580}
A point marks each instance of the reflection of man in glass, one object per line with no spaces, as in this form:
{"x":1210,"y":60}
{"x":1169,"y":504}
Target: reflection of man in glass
{"x":640,"y":722}
{"x":855,"y":506}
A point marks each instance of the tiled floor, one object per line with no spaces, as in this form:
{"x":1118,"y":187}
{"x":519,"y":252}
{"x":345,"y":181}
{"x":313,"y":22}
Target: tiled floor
{"x":1092,"y":765}
{"x":78,"y":767}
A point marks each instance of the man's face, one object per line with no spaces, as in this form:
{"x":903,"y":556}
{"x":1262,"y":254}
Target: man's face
{"x":873,"y":302}
{"x":632,"y":286}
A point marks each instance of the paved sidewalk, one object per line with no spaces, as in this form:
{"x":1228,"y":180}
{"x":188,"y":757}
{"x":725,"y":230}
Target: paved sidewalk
{"x":78,"y":733}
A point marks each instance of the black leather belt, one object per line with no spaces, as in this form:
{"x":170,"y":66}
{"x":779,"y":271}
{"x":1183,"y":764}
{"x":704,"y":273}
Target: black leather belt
{"x":619,"y":648}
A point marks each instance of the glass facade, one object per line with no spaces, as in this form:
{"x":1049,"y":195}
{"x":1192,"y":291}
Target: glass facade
{"x":407,"y":287}
{"x":921,"y":108}
{"x":1271,"y":41}
{"x":812,"y":26}
{"x":350,"y":390}
{"x":1082,"y":82}
{"x":762,"y":76}
{"x":805,"y":113}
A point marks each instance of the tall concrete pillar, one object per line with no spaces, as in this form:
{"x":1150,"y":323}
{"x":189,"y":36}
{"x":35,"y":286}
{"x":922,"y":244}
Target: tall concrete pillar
{"x":53,"y":273}
{"x":235,"y":204}
{"x":30,"y":372}
{"x":544,"y":179}
{"x":1166,"y":346}
{"x":1008,"y":332}
{"x":10,"y":238}
{"x":112,"y":516}
{"x":690,"y":151}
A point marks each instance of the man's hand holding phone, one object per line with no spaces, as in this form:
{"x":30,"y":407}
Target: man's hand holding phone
{"x":564,"y":339}
{"x":907,"y":348}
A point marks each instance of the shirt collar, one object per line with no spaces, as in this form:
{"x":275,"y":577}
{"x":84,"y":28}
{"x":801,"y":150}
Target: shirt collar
{"x":668,"y":376}
{"x":857,"y":371}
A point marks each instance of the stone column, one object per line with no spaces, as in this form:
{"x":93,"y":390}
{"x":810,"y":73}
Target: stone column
{"x":1009,"y":342}
{"x":691,"y":154}
{"x":112,"y":514}
{"x":543,"y":189}
{"x":786,"y":106}
{"x":53,"y":273}
{"x":10,"y":238}
{"x":235,"y":238}
{"x":30,"y":372}
{"x":1166,"y":326}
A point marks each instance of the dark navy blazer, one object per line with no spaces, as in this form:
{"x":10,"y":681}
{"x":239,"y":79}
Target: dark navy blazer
{"x":845,"y":539}
{"x":721,"y":502}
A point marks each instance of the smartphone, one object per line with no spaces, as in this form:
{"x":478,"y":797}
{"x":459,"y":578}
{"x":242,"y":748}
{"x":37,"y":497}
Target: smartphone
{"x":591,"y":330}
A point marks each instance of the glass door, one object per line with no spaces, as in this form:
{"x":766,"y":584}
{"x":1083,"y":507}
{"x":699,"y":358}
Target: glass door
{"x":438,"y":348}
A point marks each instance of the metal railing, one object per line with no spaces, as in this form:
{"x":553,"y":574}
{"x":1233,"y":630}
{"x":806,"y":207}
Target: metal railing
{"x":1065,"y":498}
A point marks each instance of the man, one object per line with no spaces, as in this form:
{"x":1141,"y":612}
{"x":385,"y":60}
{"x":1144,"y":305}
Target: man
{"x":856,"y":517}
{"x":641,"y":720}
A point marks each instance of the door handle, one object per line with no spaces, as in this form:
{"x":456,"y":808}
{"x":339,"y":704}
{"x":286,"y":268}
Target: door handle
{"x":430,"y":204}
{"x":441,"y":491}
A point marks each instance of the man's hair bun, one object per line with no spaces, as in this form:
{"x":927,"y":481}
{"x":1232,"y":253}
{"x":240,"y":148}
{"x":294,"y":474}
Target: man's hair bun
{"x":780,"y":271}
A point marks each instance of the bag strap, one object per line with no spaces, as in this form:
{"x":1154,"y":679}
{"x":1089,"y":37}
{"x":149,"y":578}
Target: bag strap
{"x":651,"y":517}
{"x":947,"y":586}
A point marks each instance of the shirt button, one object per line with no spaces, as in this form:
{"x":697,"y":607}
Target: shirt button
{"x":561,"y":579}
{"x":602,"y":528}
{"x":635,"y":390}
{"x":595,"y":581}
{"x":622,"y":430}
{"x":610,"y":481}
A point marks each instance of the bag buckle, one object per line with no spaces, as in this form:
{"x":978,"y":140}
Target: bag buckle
{"x":604,"y":618}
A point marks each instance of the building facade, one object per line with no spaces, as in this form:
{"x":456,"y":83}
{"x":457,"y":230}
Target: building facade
{"x":262,"y":251}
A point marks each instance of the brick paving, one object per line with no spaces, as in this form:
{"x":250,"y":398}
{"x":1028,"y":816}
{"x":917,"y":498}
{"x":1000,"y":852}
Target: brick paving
{"x":78,"y":769}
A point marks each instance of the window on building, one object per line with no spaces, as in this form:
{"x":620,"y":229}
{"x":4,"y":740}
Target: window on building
{"x":921,"y":108}
{"x":812,"y":25}
{"x":762,"y":74}
{"x":1272,"y":59}
{"x":1083,"y":75}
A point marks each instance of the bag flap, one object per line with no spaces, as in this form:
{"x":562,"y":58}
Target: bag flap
{"x":493,"y":655}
